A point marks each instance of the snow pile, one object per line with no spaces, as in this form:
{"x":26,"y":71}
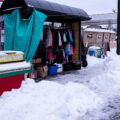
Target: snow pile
{"x":92,"y":61}
{"x":107,"y":81}
{"x":112,"y":62}
{"x":106,"y":84}
{"x":89,"y":94}
{"x":48,"y":100}
{"x":14,"y":66}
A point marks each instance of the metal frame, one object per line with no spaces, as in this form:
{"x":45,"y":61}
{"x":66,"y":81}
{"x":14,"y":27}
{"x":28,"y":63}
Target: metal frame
{"x":118,"y":29}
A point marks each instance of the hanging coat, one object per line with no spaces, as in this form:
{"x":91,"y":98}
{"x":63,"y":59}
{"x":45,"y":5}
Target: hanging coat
{"x":50,"y":39}
{"x":23,"y":35}
{"x":64,"y":38}
{"x":55,"y":39}
{"x":69,"y":46}
{"x":59,"y":39}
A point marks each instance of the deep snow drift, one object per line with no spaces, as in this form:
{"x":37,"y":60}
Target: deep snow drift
{"x":92,"y":93}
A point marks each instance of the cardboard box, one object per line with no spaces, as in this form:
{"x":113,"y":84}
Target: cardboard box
{"x":38,"y":60}
{"x":42,"y":71}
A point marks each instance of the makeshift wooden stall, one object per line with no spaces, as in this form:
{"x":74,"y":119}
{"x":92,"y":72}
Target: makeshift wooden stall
{"x":70,"y":19}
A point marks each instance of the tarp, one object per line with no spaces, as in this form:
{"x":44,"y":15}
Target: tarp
{"x":56,"y":12}
{"x":23,"y":35}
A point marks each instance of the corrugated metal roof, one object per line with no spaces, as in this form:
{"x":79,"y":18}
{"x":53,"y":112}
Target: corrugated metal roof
{"x":102,"y":19}
{"x":12,"y":4}
{"x":54,"y":10}
{"x":107,"y":16}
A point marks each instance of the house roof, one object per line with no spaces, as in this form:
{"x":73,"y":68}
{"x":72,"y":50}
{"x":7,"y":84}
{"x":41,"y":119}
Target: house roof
{"x":101,"y":19}
{"x":99,"y":30}
{"x":56,"y":12}
{"x":106,"y":16}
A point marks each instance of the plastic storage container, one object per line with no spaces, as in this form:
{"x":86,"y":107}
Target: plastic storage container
{"x":99,"y":53}
{"x":60,"y":68}
{"x":52,"y":69}
{"x":91,"y":52}
{"x":11,"y":82}
{"x":68,"y":67}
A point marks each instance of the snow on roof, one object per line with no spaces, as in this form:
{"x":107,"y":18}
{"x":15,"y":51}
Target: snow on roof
{"x":94,"y":47}
{"x":98,"y":30}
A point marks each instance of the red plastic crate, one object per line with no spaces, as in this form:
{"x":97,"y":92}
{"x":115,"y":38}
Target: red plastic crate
{"x":9,"y":83}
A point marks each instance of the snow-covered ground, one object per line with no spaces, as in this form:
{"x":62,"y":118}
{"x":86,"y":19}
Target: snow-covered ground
{"x":92,"y":93}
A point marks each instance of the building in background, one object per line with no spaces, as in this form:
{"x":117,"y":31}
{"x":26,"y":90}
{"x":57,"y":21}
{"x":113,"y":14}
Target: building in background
{"x":99,"y":37}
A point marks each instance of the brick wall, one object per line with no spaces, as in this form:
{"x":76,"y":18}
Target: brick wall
{"x":106,"y":37}
{"x":98,"y":37}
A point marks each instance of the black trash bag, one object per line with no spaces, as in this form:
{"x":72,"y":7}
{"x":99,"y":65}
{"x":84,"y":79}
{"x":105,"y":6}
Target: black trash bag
{"x":84,"y":61}
{"x":68,"y":66}
{"x":76,"y":66}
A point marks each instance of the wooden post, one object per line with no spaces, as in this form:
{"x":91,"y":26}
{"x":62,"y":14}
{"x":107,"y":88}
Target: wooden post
{"x":30,"y":75}
{"x":80,"y":42}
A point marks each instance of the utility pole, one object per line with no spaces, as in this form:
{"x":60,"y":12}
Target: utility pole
{"x":118,"y":29}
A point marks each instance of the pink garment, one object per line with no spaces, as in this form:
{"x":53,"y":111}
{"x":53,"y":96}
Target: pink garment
{"x":49,"y":54}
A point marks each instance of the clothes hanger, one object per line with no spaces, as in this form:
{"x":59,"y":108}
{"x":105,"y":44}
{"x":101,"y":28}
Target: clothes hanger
{"x":26,"y":12}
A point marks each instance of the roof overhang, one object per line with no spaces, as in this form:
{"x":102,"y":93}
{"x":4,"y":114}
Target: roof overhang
{"x":56,"y":12}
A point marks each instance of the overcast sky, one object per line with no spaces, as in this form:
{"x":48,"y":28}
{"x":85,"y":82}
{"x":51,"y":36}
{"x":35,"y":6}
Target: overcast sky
{"x":91,"y":6}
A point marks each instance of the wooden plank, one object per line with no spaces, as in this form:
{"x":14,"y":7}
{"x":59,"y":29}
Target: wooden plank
{"x":30,"y":75}
{"x":75,"y":27}
{"x":15,"y":73}
{"x":21,"y":69}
